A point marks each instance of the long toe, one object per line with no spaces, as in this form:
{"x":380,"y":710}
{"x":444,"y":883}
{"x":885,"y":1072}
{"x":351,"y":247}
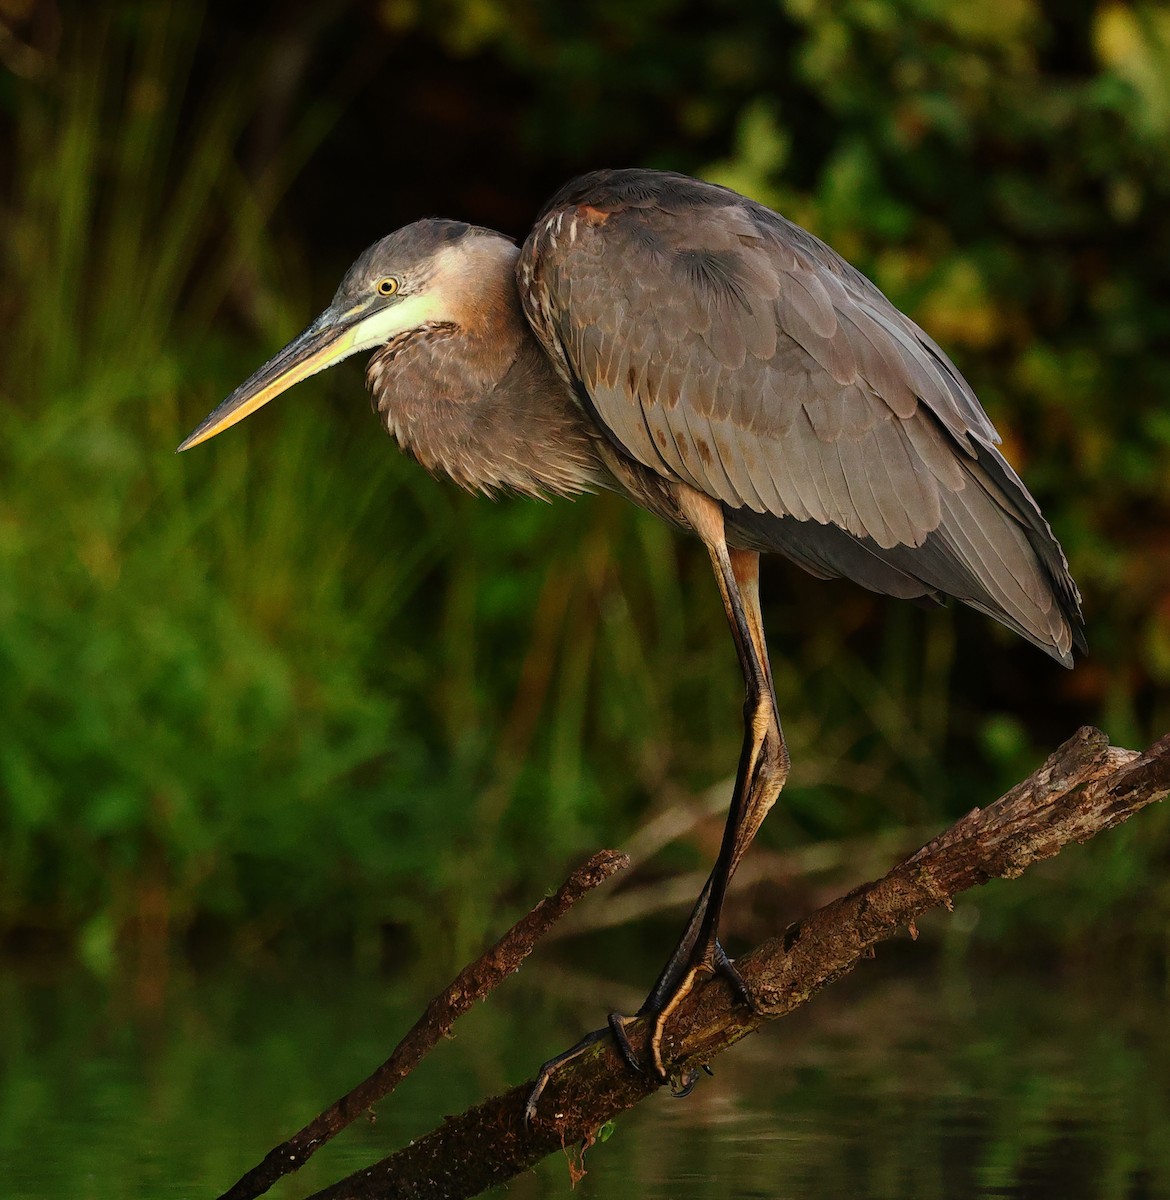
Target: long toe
{"x":685,"y":986}
{"x":726,"y":967}
{"x":550,"y":1068}
{"x":617,"y":1026}
{"x":661,"y":1009}
{"x":656,"y":1010}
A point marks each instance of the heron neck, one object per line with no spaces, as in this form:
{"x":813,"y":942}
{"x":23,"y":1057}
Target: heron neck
{"x":478,"y":401}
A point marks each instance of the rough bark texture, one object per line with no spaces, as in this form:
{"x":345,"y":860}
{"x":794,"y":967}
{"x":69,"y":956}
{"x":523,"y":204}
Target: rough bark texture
{"x":473,"y":983}
{"x":1085,"y":787}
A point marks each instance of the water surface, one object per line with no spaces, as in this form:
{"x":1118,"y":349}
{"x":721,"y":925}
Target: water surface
{"x":944,"y":1084}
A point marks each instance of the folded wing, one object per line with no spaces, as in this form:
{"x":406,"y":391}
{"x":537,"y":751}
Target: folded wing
{"x":720,"y":345}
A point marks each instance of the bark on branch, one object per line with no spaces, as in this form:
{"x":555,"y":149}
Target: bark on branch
{"x":473,"y":983}
{"x":1084,"y":788}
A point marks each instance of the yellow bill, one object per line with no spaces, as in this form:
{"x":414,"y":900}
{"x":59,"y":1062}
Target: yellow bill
{"x":327,"y":341}
{"x":332,"y":336}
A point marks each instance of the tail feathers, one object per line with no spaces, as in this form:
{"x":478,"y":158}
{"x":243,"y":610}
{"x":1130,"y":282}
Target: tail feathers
{"x":1006,"y":487}
{"x":992,"y":550}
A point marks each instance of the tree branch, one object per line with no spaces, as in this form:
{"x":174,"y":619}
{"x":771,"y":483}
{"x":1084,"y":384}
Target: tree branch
{"x":473,"y":983}
{"x":1085,"y":787}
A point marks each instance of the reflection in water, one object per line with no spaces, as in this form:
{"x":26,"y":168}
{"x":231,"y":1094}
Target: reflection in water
{"x":933,"y":1088}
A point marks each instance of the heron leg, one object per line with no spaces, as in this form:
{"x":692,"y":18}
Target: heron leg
{"x":763,"y":770}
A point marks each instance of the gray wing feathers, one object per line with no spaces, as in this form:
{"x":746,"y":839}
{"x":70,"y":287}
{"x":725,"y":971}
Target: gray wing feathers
{"x":740,"y":346}
{"x":724,"y":347}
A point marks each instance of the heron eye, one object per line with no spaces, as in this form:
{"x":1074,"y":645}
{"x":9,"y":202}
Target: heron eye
{"x":388,"y":286}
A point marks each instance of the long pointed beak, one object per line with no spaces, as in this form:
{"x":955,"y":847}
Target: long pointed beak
{"x":328,"y":340}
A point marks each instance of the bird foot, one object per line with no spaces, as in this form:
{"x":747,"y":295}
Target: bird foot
{"x":719,"y":964}
{"x":681,"y":1083}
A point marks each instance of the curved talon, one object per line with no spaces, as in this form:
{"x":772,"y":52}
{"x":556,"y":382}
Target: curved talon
{"x":685,"y":1085}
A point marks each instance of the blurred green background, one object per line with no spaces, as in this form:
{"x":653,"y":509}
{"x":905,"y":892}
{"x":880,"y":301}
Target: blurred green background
{"x":288,"y":692}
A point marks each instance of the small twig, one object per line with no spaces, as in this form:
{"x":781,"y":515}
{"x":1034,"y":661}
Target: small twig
{"x":1085,"y":787}
{"x":797,"y":866}
{"x":473,"y":983}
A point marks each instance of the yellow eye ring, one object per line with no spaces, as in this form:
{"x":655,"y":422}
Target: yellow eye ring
{"x":388,"y":286}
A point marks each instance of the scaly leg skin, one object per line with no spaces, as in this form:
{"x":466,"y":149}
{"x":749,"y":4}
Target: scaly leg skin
{"x":706,"y":956}
{"x":763,"y":770}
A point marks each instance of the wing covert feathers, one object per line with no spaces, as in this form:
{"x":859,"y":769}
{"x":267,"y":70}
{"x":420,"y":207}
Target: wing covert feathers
{"x":724,"y":347}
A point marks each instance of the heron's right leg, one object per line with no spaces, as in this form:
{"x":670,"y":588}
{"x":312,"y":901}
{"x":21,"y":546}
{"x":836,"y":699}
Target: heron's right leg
{"x":763,"y":770}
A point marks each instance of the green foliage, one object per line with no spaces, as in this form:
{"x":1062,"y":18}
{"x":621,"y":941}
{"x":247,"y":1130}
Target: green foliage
{"x":287,"y":684}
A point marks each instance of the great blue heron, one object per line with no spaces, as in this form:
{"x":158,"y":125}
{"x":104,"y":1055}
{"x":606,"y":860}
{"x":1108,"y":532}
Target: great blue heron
{"x":689,"y":348}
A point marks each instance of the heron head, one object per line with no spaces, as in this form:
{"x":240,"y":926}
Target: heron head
{"x":407,"y":280}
